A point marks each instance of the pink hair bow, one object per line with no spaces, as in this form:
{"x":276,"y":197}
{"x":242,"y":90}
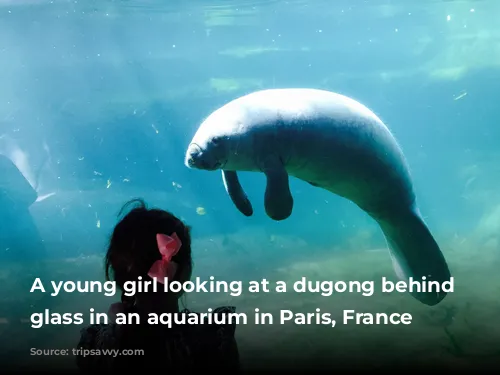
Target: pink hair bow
{"x":168,"y":247}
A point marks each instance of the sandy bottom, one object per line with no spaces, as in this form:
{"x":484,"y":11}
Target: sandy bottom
{"x":461,"y":333}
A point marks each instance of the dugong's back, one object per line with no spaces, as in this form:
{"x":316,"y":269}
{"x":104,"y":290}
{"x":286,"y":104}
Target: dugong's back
{"x":333,"y":142}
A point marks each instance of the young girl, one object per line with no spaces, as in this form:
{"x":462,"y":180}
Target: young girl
{"x":154,"y":243}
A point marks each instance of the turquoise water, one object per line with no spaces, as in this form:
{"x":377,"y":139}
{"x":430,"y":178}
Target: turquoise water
{"x":99,"y":100}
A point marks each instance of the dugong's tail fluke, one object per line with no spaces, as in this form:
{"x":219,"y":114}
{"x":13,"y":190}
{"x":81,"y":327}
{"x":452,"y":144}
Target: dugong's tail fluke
{"x":415,"y":253}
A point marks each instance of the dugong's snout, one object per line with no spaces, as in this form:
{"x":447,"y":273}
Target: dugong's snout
{"x":192,"y":155}
{"x":198,"y":158}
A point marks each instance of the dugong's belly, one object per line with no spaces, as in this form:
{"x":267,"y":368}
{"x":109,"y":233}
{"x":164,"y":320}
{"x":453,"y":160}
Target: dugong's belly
{"x":358,"y":160}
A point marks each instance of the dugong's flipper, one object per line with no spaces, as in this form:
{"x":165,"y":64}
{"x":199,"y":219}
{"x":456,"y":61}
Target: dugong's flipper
{"x":236,"y":192}
{"x":415,"y":253}
{"x":278,"y":199}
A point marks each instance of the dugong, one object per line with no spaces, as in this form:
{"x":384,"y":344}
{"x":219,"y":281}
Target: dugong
{"x":332,"y":142}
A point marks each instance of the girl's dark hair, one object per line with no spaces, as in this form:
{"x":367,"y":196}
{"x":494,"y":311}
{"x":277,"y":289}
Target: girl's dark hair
{"x":133,"y":249}
{"x":131,"y":253}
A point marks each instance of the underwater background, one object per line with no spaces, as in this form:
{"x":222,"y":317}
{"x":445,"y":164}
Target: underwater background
{"x":99,"y":100}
